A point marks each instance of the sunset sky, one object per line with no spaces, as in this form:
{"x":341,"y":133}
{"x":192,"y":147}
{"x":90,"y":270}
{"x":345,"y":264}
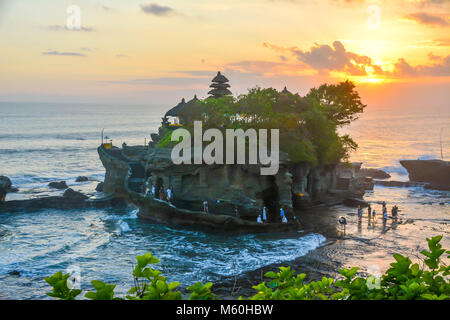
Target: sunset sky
{"x":156,"y":52}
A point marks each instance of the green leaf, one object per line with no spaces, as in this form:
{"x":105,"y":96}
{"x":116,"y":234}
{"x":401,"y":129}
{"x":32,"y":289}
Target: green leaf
{"x":174,"y":285}
{"x":98,"y":284}
{"x":271,"y":275}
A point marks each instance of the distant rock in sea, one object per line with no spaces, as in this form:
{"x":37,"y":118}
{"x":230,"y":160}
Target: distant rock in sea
{"x":373,"y":173}
{"x":435,"y":172}
{"x":354,"y":202}
{"x":437,"y":187}
{"x":70,"y":193}
{"x":61,"y":185}
{"x":99,"y":187}
{"x":82,"y":179}
{"x":14,"y":273}
{"x":5,"y":187}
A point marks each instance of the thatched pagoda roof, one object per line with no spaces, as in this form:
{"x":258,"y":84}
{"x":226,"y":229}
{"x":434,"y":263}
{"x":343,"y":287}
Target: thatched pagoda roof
{"x":220,"y":85}
{"x":220,"y":78}
{"x":219,"y":92}
{"x":175,"y":110}
{"x":193,"y":101}
{"x":187,"y":108}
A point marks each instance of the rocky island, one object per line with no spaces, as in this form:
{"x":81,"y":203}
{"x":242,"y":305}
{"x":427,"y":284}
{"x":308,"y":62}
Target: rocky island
{"x":310,"y":168}
{"x":436,"y":173}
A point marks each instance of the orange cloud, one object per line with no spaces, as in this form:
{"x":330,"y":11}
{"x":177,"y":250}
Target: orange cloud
{"x":337,"y":60}
{"x":428,"y":19}
{"x":331,"y":58}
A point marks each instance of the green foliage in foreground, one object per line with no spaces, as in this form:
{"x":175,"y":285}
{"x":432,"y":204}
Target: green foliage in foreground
{"x":402,"y":281}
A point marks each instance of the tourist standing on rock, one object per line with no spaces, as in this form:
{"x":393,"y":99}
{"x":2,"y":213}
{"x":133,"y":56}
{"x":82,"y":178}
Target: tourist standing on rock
{"x":236,"y":211}
{"x":369,"y":210}
{"x":205,"y":206}
{"x":259,"y":220}
{"x":360,"y":212}
{"x":385,"y":217}
{"x":161,"y":193}
{"x":284,"y":220}
{"x":373,"y":215}
{"x":169,"y":195}
{"x":264,"y":216}
{"x":282,"y":213}
{"x":154,"y":191}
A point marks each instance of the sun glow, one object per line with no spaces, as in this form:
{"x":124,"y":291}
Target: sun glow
{"x":371,"y":80}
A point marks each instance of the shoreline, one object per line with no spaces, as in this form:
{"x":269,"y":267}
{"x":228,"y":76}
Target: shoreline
{"x":336,"y":252}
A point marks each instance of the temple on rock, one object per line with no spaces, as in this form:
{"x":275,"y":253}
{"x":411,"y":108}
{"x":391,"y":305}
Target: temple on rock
{"x":235,"y":194}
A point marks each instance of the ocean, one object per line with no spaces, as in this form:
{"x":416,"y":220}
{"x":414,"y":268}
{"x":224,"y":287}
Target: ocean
{"x":40,"y":143}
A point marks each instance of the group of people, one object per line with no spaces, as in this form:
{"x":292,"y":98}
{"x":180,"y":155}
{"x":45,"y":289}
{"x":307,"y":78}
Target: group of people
{"x":372,"y":213}
{"x":165,"y":196}
{"x":263,"y":218}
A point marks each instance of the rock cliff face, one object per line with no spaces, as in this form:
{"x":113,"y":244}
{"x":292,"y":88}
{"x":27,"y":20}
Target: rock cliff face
{"x":131,"y":172}
{"x":225,"y":187}
{"x":432,"y":171}
{"x":116,"y":171}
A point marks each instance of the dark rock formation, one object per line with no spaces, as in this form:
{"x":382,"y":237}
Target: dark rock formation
{"x":155,"y":137}
{"x":373,"y":173}
{"x":407,"y":184}
{"x":132,"y":172}
{"x":99,"y":187}
{"x":82,"y":179}
{"x":354,"y":202}
{"x":64,"y":203}
{"x":437,"y":187}
{"x":161,"y":212}
{"x":223,"y":186}
{"x":432,"y":171}
{"x":5,"y":187}
{"x":71,"y":194}
{"x":61,"y":185}
{"x":5,"y":183}
{"x":116,"y":171}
